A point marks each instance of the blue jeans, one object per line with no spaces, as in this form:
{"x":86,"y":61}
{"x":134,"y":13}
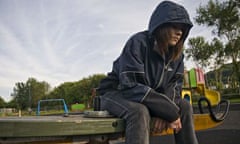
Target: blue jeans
{"x":137,"y":118}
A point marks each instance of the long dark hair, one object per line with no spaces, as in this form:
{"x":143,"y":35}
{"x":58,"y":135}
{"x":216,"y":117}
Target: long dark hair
{"x":162,"y":37}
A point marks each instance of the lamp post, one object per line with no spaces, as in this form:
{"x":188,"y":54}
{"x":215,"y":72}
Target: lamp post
{"x":29,"y":98}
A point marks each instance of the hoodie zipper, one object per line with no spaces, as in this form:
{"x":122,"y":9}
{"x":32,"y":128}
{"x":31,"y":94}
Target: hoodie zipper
{"x":163,"y":73}
{"x":161,"y":79}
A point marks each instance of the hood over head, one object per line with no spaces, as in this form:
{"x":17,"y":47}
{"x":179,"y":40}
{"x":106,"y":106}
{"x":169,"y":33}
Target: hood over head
{"x":169,"y":12}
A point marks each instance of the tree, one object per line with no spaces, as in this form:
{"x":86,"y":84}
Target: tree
{"x":11,"y":104}
{"x":224,"y":17}
{"x":199,"y":50}
{"x":26,"y":95}
{"x":36,"y":91}
{"x":218,"y":65}
{"x":2,"y":102}
{"x":20,"y":93}
{"x":77,"y":92}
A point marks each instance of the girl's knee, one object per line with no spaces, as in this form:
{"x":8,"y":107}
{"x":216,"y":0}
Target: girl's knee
{"x":139,"y":111}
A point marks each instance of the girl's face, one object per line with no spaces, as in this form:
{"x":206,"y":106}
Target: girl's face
{"x":175,"y":33}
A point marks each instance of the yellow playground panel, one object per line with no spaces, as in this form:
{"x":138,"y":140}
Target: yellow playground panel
{"x":186,"y":94}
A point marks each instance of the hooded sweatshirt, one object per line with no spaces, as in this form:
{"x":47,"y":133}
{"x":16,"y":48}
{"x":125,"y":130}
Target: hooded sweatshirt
{"x":141,"y":75}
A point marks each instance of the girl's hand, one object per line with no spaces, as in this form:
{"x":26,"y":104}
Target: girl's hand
{"x":176,"y":125}
{"x":160,"y":125}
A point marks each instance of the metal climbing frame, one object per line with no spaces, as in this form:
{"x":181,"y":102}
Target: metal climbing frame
{"x":64,"y":105}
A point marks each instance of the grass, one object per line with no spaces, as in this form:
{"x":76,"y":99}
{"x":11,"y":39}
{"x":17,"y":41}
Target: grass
{"x":234,"y":100}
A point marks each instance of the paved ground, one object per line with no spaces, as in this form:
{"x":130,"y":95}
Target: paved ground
{"x":227,"y":133}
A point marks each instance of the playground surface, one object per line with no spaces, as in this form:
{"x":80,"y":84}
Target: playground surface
{"x":226,"y":133}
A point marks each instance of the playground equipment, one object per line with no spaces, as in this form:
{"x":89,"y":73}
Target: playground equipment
{"x":65,"y":108}
{"x":197,"y":82}
{"x":194,"y":83}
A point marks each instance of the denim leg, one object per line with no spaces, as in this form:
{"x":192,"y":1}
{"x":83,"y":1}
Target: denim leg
{"x":187,"y":134}
{"x":136,"y":116}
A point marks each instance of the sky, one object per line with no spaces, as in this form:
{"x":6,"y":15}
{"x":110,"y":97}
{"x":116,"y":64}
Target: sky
{"x":61,"y":41}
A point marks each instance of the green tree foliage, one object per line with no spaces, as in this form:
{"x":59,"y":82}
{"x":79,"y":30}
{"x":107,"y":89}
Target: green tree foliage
{"x":20,"y":93}
{"x":218,"y":59}
{"x":37,"y":90}
{"x":199,"y":50}
{"x":224,"y":17}
{"x":2,"y":102}
{"x":11,"y":104}
{"x":77,"y":92}
{"x":26,"y":95}
{"x":203,"y":52}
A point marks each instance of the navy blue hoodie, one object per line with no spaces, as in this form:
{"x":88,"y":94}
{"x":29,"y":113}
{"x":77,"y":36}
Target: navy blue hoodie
{"x":141,"y":75}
